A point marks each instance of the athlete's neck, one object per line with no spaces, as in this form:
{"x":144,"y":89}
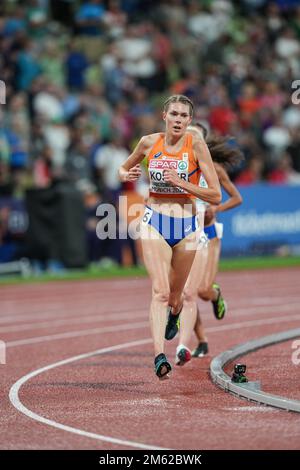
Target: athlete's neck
{"x":172,"y":140}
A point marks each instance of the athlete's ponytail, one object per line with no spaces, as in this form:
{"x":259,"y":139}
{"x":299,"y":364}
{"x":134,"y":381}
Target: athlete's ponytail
{"x":224,"y":150}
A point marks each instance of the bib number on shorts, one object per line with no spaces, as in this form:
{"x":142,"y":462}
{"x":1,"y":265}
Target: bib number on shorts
{"x":147,"y":216}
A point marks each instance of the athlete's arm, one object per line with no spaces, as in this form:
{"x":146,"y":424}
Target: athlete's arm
{"x":235,"y":198}
{"x":212,"y":193}
{"x":131,"y":169}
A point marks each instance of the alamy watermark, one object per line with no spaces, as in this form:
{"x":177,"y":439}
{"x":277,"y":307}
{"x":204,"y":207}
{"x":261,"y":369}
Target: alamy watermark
{"x":296,"y":94}
{"x":2,"y":352}
{"x":296,"y":353}
{"x":2,"y":92}
{"x":123,"y":221}
{"x":114,"y":220}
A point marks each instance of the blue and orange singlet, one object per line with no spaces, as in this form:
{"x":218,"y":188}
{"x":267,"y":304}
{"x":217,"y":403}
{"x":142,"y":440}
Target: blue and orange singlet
{"x":183,"y":161}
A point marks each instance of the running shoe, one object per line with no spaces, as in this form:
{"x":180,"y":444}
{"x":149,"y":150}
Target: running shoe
{"x":201,"y":350}
{"x":183,"y":355}
{"x":219,"y":305}
{"x":173,"y":324}
{"x":162,"y":367}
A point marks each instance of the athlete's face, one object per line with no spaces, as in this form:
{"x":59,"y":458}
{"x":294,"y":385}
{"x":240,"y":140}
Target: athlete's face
{"x":177,"y":118}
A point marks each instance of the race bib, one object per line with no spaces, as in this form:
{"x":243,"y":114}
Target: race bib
{"x":156,"y":174}
{"x":147,"y":216}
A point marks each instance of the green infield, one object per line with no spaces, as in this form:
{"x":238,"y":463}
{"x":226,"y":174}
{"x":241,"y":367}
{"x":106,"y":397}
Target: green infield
{"x":109,"y":272}
{"x":262,"y":262}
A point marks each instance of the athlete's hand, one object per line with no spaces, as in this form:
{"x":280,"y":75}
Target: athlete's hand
{"x":171,"y":177}
{"x":210,"y":214}
{"x":134,"y":173}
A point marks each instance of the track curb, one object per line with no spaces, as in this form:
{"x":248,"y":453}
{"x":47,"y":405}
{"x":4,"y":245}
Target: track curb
{"x":251,"y":390}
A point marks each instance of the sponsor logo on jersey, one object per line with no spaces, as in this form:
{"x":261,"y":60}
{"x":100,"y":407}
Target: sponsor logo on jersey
{"x":164,"y":164}
{"x":182,"y":165}
{"x":157,"y":155}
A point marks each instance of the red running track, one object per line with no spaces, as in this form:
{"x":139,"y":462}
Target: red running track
{"x":112,"y":399}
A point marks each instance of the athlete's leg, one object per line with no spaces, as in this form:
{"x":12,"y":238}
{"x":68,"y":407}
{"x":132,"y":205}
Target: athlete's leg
{"x":210,"y":290}
{"x":206,"y":290}
{"x":202,"y":347}
{"x":189,"y":311}
{"x":181,"y":263}
{"x":157,"y":258}
{"x":199,"y":328}
{"x":182,"y":260}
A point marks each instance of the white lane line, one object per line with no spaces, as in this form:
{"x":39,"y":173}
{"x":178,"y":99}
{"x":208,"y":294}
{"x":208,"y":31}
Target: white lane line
{"x":128,"y":314}
{"x":236,"y":285}
{"x":286,"y":307}
{"x":105,"y":316}
{"x":249,"y":324}
{"x":129,"y":326}
{"x":76,"y":334}
{"x":14,"y":391}
{"x":16,"y":402}
{"x":260,"y":301}
{"x":59,"y":312}
{"x":72,"y":321}
{"x":96,"y":294}
{"x":14,"y":318}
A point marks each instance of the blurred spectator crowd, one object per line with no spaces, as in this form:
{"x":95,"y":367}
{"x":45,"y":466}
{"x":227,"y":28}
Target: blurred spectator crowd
{"x":85,"y":79}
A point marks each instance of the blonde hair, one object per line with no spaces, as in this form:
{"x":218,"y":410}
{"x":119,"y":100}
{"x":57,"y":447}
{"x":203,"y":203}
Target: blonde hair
{"x":179,"y":99}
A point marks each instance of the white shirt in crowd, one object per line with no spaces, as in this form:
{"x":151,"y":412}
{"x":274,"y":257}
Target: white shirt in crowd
{"x":109,"y":158}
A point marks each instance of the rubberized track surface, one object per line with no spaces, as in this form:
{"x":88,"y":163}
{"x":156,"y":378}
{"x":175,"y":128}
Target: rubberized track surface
{"x":112,"y":399}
